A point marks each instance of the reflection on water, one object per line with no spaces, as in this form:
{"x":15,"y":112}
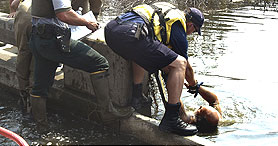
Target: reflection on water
{"x":64,"y":129}
{"x":236,"y":58}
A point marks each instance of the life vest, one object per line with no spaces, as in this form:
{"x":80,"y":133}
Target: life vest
{"x":160,"y":17}
{"x":42,"y":8}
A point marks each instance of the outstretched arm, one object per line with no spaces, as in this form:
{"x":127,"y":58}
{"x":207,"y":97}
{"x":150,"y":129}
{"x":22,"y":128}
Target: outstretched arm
{"x":210,"y":98}
{"x":207,"y":95}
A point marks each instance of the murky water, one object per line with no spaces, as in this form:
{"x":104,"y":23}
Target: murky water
{"x":64,"y":128}
{"x":235,"y":58}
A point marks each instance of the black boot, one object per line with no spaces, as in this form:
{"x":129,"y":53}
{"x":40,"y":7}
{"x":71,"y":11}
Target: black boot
{"x":139,"y":100}
{"x":171,"y":122}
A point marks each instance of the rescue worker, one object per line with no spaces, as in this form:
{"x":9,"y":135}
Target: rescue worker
{"x":154,"y":37}
{"x":51,"y":44}
{"x":87,"y":5}
{"x":21,"y":10}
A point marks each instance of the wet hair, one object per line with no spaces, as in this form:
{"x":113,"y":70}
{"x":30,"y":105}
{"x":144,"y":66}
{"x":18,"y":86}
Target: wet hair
{"x":203,"y":125}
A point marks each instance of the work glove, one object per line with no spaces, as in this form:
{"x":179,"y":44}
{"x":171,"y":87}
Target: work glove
{"x":194,"y":89}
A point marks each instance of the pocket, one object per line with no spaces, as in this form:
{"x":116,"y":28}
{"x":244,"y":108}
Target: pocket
{"x":160,"y":49}
{"x":47,"y":44}
{"x":138,"y":31}
{"x":63,"y":39}
{"x":131,"y":30}
{"x":125,"y":30}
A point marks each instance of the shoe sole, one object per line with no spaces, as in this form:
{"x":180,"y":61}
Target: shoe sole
{"x":168,"y":130}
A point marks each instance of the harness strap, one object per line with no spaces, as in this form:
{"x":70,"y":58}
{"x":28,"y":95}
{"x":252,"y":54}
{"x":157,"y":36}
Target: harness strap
{"x":162,"y":23}
{"x":149,"y":25}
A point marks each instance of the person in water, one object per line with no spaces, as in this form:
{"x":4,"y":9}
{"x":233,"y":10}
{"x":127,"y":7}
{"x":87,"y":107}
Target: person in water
{"x":206,"y":118}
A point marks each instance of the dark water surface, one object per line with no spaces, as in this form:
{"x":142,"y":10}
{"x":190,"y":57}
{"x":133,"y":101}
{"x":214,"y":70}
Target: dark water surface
{"x":236,"y":58}
{"x":65,"y":129}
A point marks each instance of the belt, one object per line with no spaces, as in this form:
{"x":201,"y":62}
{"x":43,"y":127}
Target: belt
{"x":45,"y":31}
{"x":42,"y":28}
{"x":121,"y":21}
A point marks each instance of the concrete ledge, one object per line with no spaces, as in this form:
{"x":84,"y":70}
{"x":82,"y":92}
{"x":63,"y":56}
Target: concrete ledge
{"x":7,"y":29}
{"x":147,"y":130}
{"x":75,"y":98}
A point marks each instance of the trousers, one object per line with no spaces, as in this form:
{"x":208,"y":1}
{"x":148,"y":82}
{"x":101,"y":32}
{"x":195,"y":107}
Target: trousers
{"x":48,"y":55}
{"x":24,"y":63}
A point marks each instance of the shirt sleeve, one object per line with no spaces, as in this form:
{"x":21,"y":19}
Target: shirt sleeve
{"x":61,"y":5}
{"x":178,"y":39}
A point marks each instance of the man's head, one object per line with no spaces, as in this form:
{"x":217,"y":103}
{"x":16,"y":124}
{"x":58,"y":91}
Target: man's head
{"x":195,"y":18}
{"x":206,"y":118}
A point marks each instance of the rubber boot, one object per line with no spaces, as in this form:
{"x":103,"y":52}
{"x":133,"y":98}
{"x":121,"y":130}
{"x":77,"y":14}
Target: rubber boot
{"x":24,"y":101}
{"x":171,"y":122}
{"x":139,"y":100}
{"x":39,"y":110}
{"x":108,"y":112}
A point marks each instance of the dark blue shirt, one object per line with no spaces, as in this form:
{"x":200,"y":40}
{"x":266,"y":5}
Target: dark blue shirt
{"x":178,"y":38}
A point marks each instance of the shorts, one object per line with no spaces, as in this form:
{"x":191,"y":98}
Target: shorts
{"x":150,"y":54}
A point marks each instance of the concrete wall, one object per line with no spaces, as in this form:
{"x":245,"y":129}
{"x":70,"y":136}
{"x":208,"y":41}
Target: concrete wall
{"x":72,"y":90}
{"x":120,"y":75}
{"x":6,"y":29}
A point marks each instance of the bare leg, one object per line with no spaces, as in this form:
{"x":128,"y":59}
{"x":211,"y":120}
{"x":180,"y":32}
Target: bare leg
{"x":171,"y":121}
{"x":95,"y":7}
{"x":176,"y":79}
{"x":138,"y":73}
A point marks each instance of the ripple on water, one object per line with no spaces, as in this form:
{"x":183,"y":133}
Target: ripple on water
{"x":65,"y":129}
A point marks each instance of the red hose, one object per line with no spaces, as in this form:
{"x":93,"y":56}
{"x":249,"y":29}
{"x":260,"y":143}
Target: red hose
{"x":13,"y":136}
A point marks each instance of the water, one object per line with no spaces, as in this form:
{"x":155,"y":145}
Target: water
{"x":235,"y":58}
{"x":65,"y":129}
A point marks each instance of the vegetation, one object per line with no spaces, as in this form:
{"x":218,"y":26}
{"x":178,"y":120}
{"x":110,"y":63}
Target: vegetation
{"x":204,"y":5}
